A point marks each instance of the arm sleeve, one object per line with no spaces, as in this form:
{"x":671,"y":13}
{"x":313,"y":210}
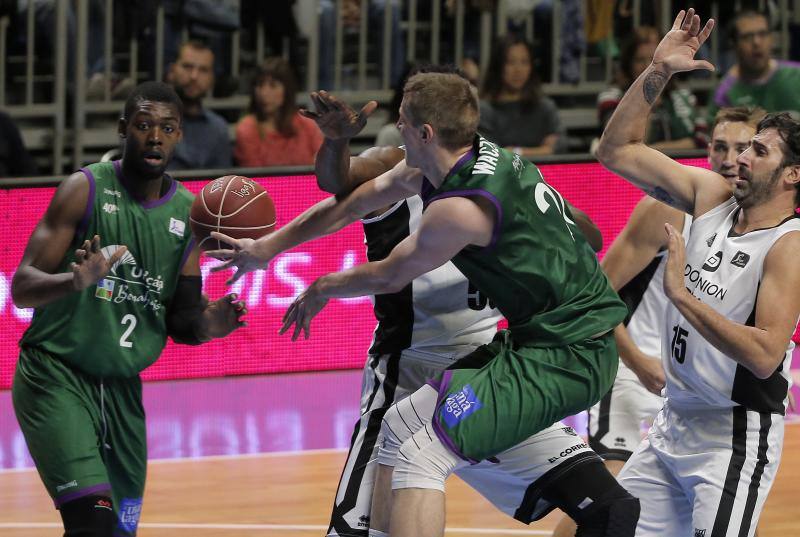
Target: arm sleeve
{"x":185,"y":309}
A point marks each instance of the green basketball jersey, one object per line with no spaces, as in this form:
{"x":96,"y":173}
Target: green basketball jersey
{"x":538,"y":270}
{"x":117,"y":327}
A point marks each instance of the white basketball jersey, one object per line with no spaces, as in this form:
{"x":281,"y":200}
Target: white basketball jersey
{"x":723,"y":269}
{"x":439,"y":316}
{"x":646,"y":301}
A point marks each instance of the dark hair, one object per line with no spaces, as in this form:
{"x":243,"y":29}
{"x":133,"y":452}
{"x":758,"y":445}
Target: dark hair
{"x":640,"y":36}
{"x":411,"y":70}
{"x":739,"y":114}
{"x":788,"y":129}
{"x":152,"y":91}
{"x":278,"y":69}
{"x":197,"y":44}
{"x":745,"y":14}
{"x":493,"y":82}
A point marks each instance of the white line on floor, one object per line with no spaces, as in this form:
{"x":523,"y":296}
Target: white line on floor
{"x":265,"y":527}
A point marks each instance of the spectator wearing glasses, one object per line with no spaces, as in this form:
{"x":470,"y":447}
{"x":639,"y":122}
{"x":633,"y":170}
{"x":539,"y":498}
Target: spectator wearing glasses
{"x":757,"y":79}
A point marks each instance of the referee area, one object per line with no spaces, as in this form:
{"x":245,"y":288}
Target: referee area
{"x":256,"y":456}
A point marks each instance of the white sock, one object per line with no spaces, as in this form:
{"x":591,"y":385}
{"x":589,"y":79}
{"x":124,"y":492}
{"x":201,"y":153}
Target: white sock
{"x":376,"y":533}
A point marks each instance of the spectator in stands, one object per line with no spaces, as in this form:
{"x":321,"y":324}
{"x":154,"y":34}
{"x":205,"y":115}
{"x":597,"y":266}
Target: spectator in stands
{"x":757,"y":79}
{"x":351,"y":19}
{"x":514,"y":113}
{"x":274,"y":133}
{"x":205,"y":142}
{"x":675,"y":122}
{"x":14,"y":159}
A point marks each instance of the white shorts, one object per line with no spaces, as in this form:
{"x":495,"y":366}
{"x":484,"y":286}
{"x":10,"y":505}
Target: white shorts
{"x":386,"y":380}
{"x":615,"y":422}
{"x":514,"y":481}
{"x":704,"y":472}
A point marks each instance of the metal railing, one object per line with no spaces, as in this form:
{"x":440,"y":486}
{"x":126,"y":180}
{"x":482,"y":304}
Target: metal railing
{"x":363,"y":59}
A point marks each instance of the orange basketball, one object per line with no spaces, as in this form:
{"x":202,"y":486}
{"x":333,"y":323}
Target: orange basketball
{"x":234,"y":205}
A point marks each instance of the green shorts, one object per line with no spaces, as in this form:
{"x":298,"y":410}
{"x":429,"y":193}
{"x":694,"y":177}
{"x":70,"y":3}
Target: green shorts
{"x":86,"y":435}
{"x":502,"y":393}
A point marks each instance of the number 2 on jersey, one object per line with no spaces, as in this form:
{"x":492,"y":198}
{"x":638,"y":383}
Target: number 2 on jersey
{"x":129,"y":320}
{"x":678,"y":345}
{"x":544,"y":191}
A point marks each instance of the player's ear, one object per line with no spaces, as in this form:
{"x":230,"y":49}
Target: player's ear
{"x":426,"y":132}
{"x":794,"y":174}
{"x":122,"y":127}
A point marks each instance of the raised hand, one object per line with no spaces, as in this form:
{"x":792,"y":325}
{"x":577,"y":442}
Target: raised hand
{"x":676,"y":51}
{"x":244,"y":255}
{"x":335,"y":118}
{"x":223,"y":316}
{"x":303,"y":309}
{"x":674,"y":283}
{"x":91,"y":265}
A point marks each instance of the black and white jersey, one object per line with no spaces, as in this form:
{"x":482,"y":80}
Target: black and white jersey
{"x":439,"y":316}
{"x":724,"y":270}
{"x":646,"y":301}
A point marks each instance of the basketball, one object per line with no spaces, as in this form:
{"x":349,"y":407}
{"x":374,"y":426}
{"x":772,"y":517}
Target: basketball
{"x":234,"y":205}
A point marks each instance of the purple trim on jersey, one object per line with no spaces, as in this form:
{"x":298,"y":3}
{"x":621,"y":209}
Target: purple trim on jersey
{"x":147,"y":204}
{"x":427,"y":189}
{"x":87,"y":214}
{"x":186,"y":252}
{"x":498,"y":214}
{"x":469,"y":155}
{"x":721,"y":95}
{"x":75,"y":494}
{"x":442,"y":386}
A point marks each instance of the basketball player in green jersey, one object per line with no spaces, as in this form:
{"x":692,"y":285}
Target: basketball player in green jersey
{"x":513,"y":237}
{"x":102,"y":313}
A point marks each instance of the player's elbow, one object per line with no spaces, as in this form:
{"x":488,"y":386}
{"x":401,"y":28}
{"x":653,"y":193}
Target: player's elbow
{"x":19,"y":295}
{"x":766,"y":366}
{"x":327,"y":185}
{"x":607,"y":152}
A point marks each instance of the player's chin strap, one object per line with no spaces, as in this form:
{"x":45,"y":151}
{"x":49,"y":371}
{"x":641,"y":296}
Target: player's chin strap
{"x":183,"y":314}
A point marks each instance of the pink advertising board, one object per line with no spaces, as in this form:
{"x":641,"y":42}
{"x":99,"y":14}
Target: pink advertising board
{"x":340,"y":335}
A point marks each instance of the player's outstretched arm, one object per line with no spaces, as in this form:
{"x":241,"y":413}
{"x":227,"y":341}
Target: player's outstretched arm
{"x":324,"y":218}
{"x":447,"y":226}
{"x":759,"y":348}
{"x":36,"y":281}
{"x":191,"y":318}
{"x":622,"y":147}
{"x":630,"y":253}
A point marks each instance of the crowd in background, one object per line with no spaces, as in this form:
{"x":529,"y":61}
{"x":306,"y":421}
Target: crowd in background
{"x":515,"y":111}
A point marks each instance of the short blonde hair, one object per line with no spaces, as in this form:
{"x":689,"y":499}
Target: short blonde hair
{"x":445,"y":101}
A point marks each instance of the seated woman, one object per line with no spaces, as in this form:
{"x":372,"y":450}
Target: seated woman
{"x":274,"y":133}
{"x":675,"y":122}
{"x":514,"y":113}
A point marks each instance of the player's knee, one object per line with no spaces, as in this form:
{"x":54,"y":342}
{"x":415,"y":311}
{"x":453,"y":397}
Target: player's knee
{"x":89,"y":516}
{"x":402,"y":420}
{"x":614,"y":515}
{"x":423,"y":462}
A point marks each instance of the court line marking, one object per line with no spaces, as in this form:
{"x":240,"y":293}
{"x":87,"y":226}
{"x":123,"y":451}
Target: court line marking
{"x":266,"y":527}
{"x":212,"y":458}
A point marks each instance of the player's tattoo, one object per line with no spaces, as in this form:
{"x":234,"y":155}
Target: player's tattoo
{"x":654,"y":82}
{"x":661,"y":195}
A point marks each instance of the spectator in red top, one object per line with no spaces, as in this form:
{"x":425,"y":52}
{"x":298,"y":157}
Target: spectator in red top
{"x":274,"y":133}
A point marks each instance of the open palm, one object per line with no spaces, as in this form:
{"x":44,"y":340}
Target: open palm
{"x":677,"y":50}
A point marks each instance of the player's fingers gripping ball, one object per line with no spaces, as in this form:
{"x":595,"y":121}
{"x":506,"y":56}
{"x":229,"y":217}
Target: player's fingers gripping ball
{"x":233,"y":205}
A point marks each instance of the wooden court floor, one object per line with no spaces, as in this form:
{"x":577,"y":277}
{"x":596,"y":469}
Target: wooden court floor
{"x":290,"y":495}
